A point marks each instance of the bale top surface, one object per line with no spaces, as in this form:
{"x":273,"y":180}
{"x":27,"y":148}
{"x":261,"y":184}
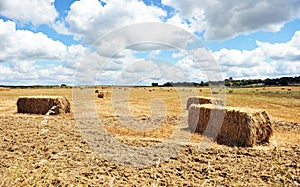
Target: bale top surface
{"x":228,"y":108}
{"x":43,"y":97}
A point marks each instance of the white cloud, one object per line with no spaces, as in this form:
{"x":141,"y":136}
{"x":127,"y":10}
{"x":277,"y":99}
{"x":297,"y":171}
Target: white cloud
{"x":159,"y":36}
{"x":179,"y":22}
{"x":289,"y":51}
{"x":142,"y":71}
{"x":23,"y":45}
{"x":234,"y":57}
{"x":178,"y":55}
{"x":148,"y":71}
{"x":225,"y":19}
{"x":22,"y":49}
{"x":60,"y":27}
{"x":139,"y":71}
{"x":267,"y":60}
{"x":95,"y":67}
{"x":74,"y":55}
{"x":192,"y":71}
{"x":91,"y":20}
{"x":6,"y":72}
{"x":51,"y":74}
{"x":29,"y":11}
{"x":154,"y":53}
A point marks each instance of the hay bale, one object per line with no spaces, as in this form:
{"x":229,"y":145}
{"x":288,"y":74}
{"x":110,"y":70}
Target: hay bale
{"x":100,"y":95}
{"x":42,"y":104}
{"x":4,"y":89}
{"x":203,"y":100}
{"x":240,"y":127}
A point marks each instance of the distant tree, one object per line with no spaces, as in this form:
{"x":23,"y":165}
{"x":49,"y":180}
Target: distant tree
{"x":168,"y":84}
{"x":154,"y":84}
{"x":227,"y":83}
{"x":237,"y":83}
{"x":63,"y":85}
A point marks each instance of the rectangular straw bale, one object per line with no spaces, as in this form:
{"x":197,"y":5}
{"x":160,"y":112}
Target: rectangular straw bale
{"x":203,"y":100}
{"x":239,"y":127}
{"x":42,"y":104}
{"x":4,"y":89}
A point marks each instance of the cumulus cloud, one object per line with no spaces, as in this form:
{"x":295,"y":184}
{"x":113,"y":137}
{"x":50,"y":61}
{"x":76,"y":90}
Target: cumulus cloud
{"x":179,"y":22}
{"x":91,"y":20}
{"x":159,"y":36}
{"x":22,"y":49}
{"x":23,"y":45}
{"x":178,"y":54}
{"x":6,"y":72}
{"x":120,"y":71}
{"x":267,"y":60}
{"x":225,"y":19}
{"x":50,"y":74}
{"x":234,"y":57}
{"x":29,"y":11}
{"x":289,"y":51}
{"x":139,"y":71}
{"x":75,"y":55}
{"x":146,"y":71}
{"x":191,"y":70}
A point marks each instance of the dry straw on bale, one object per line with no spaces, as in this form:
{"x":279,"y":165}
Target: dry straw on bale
{"x":42,"y":104}
{"x":203,"y":100}
{"x":4,"y":89}
{"x":240,"y":127}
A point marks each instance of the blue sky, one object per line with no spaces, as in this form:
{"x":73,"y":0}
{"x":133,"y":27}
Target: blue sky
{"x":44,"y":42}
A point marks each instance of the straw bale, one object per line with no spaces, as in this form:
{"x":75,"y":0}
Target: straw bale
{"x":42,"y":104}
{"x":239,"y":127}
{"x":4,"y":89}
{"x":100,"y":95}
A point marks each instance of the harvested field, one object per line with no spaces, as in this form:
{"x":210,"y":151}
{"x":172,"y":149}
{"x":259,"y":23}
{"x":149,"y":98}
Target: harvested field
{"x":286,"y":126}
{"x":36,"y":150}
{"x":231,"y":126}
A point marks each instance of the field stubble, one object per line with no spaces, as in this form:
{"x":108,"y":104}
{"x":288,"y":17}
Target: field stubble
{"x":54,"y":153}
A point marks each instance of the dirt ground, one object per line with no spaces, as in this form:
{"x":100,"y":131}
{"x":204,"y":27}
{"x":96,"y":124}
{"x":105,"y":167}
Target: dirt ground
{"x":37,"y":150}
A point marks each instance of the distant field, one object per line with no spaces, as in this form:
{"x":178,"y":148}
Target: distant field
{"x":277,"y":101}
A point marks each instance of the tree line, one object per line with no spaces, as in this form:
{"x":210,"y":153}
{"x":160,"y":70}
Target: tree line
{"x":283,"y":81}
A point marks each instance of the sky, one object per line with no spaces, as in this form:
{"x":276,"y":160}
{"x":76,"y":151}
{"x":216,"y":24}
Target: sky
{"x":137,"y":42}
